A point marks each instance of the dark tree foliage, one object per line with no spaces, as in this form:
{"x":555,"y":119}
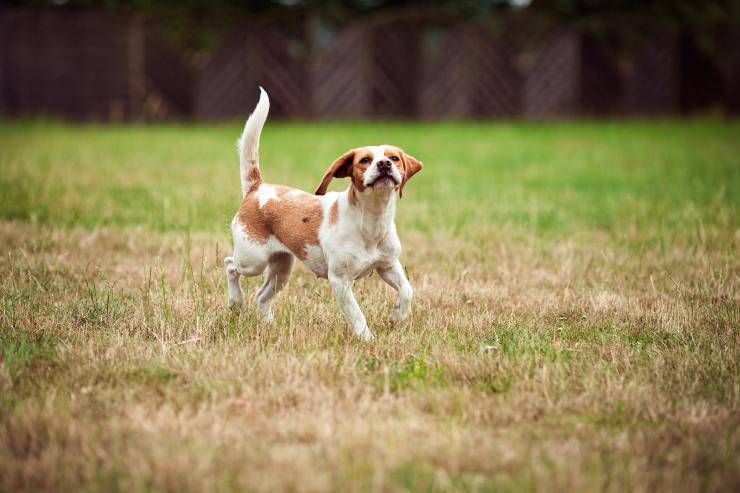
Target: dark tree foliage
{"x":686,"y":10}
{"x":197,"y":24}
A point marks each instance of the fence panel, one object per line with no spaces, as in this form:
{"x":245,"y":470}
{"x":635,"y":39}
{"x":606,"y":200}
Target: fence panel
{"x":471,"y":75}
{"x":552,"y":85}
{"x":256,"y":55}
{"x":169,"y":79}
{"x":444,"y":84}
{"x":601,"y":83}
{"x":395,"y":69}
{"x":88,"y":64}
{"x":221,"y":88}
{"x":652,"y":82}
{"x":340,"y":76}
{"x":729,"y":67}
{"x":74,"y":64}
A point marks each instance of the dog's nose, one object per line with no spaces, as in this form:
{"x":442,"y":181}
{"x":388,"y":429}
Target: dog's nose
{"x":384,"y":166}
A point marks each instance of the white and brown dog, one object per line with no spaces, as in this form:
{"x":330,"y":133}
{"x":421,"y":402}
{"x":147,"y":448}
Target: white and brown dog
{"x":339,"y":236}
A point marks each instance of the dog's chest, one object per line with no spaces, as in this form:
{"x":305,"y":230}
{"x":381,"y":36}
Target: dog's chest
{"x":351,"y":259}
{"x":365,"y":261}
{"x":354,"y":263}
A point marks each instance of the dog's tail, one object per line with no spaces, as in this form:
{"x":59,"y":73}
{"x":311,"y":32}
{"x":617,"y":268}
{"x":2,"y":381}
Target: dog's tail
{"x":248,"y":145}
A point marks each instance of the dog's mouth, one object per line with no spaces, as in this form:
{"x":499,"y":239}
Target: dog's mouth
{"x":384,"y":180}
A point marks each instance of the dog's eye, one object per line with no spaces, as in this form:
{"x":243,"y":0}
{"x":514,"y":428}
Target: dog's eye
{"x":365,"y":160}
{"x":394,"y":158}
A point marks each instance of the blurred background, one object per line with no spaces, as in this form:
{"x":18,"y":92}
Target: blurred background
{"x":199,"y":60}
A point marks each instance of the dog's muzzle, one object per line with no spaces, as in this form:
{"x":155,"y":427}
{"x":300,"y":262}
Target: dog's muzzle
{"x":385,"y":172}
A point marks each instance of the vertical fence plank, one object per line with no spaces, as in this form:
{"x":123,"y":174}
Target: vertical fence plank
{"x":248,"y":58}
{"x":552,"y":86}
{"x":340,"y":76}
{"x":3,"y":55}
{"x":601,"y":84}
{"x":730,"y":69}
{"x":136,"y":70}
{"x":72,"y":64}
{"x":495,"y":86}
{"x":169,"y":79}
{"x":699,"y":77}
{"x":395,"y":69}
{"x":652,"y":85}
{"x":470,"y":76}
{"x":284,"y":73}
{"x":444,"y":76}
{"x":220,"y":88}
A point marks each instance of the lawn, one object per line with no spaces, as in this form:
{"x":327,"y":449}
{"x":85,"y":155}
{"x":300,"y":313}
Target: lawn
{"x":575,"y":322}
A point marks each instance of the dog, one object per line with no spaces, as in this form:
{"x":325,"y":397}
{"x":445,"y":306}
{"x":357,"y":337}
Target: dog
{"x":339,"y":236}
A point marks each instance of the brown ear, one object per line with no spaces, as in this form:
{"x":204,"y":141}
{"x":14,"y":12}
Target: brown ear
{"x":411,"y":166}
{"x":340,"y":168}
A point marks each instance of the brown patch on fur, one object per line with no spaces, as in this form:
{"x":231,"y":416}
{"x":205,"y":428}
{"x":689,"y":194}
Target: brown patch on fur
{"x":409,"y":165}
{"x":281,"y":190}
{"x":391,"y":151}
{"x":254,"y":178}
{"x":293,"y":219}
{"x":334,"y":212}
{"x":347,"y":165}
{"x":340,"y":168}
{"x":251,"y":217}
{"x":359,"y":168}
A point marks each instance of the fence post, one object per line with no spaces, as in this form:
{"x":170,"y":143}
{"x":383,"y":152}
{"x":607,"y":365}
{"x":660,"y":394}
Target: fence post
{"x":3,"y":56}
{"x":339,"y":80}
{"x":470,"y":76}
{"x":653,"y":85}
{"x":552,"y":86}
{"x":136,"y":73}
{"x":731,"y":72}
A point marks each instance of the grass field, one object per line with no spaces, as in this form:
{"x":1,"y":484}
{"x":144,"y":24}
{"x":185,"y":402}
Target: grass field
{"x":575,"y":325}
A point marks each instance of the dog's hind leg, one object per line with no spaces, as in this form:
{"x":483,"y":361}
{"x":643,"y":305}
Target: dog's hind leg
{"x":232,"y":277}
{"x":279,"y":267}
{"x":250,"y":259}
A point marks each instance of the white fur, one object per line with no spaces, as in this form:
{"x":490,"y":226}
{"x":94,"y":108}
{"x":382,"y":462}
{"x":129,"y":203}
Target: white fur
{"x":248,"y":143}
{"x":363,"y":239}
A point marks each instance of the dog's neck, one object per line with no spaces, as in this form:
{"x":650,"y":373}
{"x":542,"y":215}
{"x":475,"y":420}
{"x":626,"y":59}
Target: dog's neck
{"x":376,"y":210}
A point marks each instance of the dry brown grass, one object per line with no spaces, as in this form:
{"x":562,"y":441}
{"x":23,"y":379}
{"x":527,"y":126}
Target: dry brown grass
{"x":568,"y":366}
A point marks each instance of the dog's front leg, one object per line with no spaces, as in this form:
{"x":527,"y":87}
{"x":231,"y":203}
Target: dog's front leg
{"x":342,"y":289}
{"x":396,"y":278}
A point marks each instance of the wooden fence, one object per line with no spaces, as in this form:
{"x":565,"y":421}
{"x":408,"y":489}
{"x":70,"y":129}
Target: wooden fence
{"x":90,"y":65}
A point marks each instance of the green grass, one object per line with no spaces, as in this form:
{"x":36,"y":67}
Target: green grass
{"x":575,"y":322}
{"x":544,"y":178}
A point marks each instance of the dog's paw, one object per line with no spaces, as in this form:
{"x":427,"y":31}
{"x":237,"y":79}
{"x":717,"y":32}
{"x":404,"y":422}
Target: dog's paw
{"x":397,"y":316}
{"x":366,"y":336}
{"x":266,"y":315}
{"x":235,"y":305}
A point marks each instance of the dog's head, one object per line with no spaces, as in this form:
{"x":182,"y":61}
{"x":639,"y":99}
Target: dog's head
{"x":373,"y":169}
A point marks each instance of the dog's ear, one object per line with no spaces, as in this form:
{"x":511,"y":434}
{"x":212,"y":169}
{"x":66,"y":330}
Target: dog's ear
{"x":411,"y":166}
{"x":340,"y":168}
